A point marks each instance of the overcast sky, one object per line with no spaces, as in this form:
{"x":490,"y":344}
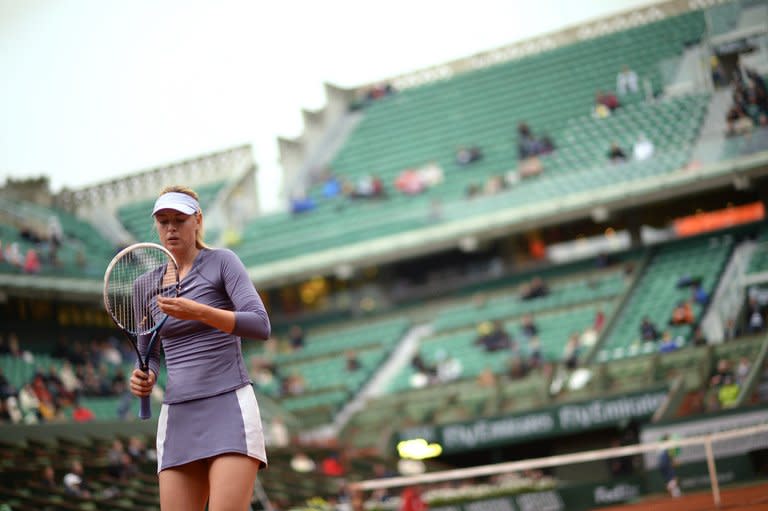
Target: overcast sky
{"x":96,"y":89}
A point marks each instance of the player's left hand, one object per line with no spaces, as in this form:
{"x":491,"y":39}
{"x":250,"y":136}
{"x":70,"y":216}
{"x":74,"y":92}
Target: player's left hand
{"x":180,"y":308}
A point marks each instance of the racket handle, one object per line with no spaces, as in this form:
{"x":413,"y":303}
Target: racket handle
{"x":145,"y":411}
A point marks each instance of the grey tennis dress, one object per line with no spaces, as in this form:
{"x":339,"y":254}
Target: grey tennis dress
{"x":210,"y":407}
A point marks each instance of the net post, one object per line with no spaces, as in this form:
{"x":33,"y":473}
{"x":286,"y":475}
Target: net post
{"x":712,"y":471}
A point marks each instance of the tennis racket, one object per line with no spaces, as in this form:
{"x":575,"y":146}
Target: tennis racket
{"x":134,"y":279}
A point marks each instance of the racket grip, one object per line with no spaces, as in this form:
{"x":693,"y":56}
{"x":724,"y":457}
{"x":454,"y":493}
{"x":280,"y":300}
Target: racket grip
{"x":145,"y":411}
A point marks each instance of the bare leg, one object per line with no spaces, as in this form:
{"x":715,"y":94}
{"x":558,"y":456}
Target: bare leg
{"x":231,"y":479}
{"x":185,"y":487}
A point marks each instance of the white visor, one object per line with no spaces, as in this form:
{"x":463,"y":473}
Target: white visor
{"x":180,"y":202}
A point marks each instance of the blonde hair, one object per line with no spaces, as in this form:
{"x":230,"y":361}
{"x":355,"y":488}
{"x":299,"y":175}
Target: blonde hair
{"x":199,"y":238}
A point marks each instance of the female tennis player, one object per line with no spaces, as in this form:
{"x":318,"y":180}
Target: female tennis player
{"x":210,"y":443}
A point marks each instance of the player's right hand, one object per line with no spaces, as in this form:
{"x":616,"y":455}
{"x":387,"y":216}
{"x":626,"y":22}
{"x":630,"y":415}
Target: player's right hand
{"x":141,"y":383}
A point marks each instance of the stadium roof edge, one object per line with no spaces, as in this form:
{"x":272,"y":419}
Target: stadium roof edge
{"x":623,"y":20}
{"x":203,"y":168}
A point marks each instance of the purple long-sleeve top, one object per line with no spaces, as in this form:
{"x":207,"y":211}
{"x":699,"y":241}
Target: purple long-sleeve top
{"x":203,"y":361}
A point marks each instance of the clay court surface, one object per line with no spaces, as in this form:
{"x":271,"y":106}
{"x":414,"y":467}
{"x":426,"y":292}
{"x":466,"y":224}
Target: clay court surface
{"x":752,"y":498}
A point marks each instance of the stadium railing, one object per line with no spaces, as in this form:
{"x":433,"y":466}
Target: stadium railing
{"x":706,"y":440}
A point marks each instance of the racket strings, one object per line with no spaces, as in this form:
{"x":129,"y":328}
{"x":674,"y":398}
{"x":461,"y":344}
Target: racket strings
{"x":135,"y":281}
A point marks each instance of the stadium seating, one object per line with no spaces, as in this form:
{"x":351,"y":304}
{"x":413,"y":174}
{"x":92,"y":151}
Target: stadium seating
{"x":759,"y":261}
{"x":428,"y":123}
{"x":321,"y":366}
{"x":84,"y":252}
{"x":22,"y":461}
{"x":657,"y":293}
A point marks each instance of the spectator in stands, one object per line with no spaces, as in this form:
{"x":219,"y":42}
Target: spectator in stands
{"x":294,"y":384}
{"x":668,"y":344}
{"x":377,"y":188}
{"x":742,"y":371}
{"x":300,"y":203}
{"x":719,"y":76}
{"x":74,"y":481}
{"x":607,"y":99}
{"x":547,"y":145}
{"x":29,"y":405}
{"x":516,"y":367}
{"x":756,"y":320}
{"x":263,"y":371}
{"x":648,"y":331}
{"x":331,"y":465}
{"x":81,"y":413}
{"x":495,"y":338}
{"x":302,"y":463}
{"x":530,"y":167}
{"x":699,"y":294}
{"x":493,"y":185}
{"x":527,"y":145}
{"x":599,"y":322}
{"x":616,"y":154}
{"x":296,"y":337}
{"x":31,"y":262}
{"x":137,"y":450}
{"x":728,"y":392}
{"x":626,"y":81}
{"x":604,"y":105}
{"x":721,"y":374}
{"x":466,"y":155}
{"x":643,"y":148}
{"x":366,"y":188}
{"x":5,"y":414}
{"x":536,"y":288}
{"x":13,"y":255}
{"x":278,"y":433}
{"x":422,"y":367}
{"x":115,"y":453}
{"x":682,"y":314}
{"x":699,"y":339}
{"x":48,"y":478}
{"x":352,"y":362}
{"x":409,"y":182}
{"x":431,"y":174}
{"x":738,"y":122}
{"x":572,"y":351}
{"x":69,"y":381}
{"x":46,"y":405}
{"x":16,"y":351}
{"x":449,"y":368}
{"x":379,"y":91}
{"x":688,"y":281}
{"x":6,"y":388}
{"x":528,"y":327}
{"x":535,"y":358}
{"x":486,"y":378}
{"x":332,"y":186}
{"x":411,"y":500}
